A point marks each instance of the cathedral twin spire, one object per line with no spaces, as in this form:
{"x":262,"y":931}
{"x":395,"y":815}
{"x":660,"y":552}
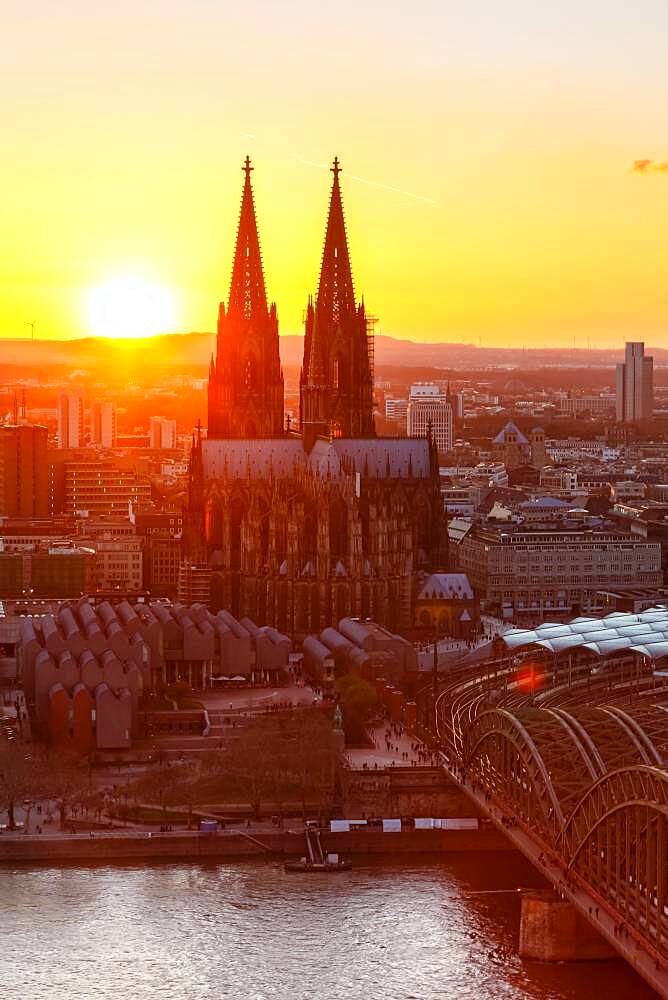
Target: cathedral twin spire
{"x":245,"y":381}
{"x":248,"y":296}
{"x":336,"y":383}
{"x":336,"y":296}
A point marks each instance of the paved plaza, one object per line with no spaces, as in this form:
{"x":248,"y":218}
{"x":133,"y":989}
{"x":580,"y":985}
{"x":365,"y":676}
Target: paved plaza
{"x":403,"y":750}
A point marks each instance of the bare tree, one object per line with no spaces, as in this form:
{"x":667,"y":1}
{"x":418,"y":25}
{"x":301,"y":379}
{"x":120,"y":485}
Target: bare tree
{"x":66,"y":781}
{"x":20,"y":777}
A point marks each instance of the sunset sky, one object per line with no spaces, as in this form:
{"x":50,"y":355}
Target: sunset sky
{"x":487,"y":151}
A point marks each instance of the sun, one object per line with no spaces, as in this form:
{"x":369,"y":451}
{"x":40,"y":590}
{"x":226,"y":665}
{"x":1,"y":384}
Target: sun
{"x":131,"y":307}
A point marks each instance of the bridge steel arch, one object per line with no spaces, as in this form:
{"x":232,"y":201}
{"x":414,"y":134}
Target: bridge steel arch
{"x":531,"y":762}
{"x":616,"y":840}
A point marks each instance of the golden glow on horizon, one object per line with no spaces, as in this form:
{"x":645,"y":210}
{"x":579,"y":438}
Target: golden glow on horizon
{"x":487,"y":156}
{"x":127,"y":306}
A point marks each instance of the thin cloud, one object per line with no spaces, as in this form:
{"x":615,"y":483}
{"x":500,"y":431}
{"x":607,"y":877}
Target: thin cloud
{"x":649,"y":167}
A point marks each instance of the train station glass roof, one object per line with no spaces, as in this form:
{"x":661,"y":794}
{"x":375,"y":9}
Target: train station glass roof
{"x":645,"y":632}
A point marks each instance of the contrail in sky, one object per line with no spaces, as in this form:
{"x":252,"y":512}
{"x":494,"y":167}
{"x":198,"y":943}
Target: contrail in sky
{"x":365,"y":180}
{"x":354,"y":177}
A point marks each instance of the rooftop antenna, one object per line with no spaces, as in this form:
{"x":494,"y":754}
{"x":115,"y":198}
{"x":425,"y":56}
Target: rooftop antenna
{"x":32,"y":329}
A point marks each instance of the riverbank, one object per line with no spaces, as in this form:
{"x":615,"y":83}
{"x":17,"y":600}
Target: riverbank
{"x":184,"y":845}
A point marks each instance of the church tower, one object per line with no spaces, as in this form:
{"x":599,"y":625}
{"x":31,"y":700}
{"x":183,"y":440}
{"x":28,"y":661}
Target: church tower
{"x":336,"y":382}
{"x":245,"y":378}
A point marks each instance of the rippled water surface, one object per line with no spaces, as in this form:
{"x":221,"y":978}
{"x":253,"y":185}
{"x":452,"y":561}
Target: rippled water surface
{"x":249,"y":930}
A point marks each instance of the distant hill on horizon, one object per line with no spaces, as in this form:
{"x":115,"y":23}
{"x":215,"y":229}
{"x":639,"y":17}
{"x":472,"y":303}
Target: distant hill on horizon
{"x":189,"y":350}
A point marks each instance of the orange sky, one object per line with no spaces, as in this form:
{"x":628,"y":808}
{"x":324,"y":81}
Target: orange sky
{"x":124,"y":130}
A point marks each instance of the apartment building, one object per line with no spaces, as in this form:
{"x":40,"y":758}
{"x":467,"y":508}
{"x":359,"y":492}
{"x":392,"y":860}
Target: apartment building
{"x":24,"y":474}
{"x":162,"y":433}
{"x":70,"y":415}
{"x":160,"y":532}
{"x":103,"y":424}
{"x":118,"y":563}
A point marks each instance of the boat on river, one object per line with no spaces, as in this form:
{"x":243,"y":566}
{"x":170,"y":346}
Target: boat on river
{"x":316,"y":860}
{"x":313,"y":867}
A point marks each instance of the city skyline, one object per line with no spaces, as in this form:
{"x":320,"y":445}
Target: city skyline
{"x":502,"y":172}
{"x":334,"y":499}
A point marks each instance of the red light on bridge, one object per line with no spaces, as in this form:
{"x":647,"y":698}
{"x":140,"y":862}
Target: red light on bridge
{"x":530,"y":678}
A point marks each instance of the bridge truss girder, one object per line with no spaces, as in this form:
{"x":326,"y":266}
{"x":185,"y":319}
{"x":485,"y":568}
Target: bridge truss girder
{"x":617,"y":841}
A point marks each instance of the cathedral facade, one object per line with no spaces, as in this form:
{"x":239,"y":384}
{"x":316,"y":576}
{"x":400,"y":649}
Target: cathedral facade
{"x":299,"y":527}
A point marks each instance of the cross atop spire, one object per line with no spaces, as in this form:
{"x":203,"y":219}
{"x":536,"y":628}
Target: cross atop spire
{"x":336,"y":296}
{"x":247,"y":291}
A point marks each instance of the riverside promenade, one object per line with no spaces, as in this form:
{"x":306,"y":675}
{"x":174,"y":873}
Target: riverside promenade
{"x":132,"y":844}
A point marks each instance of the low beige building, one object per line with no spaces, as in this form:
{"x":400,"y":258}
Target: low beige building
{"x":528,"y":574}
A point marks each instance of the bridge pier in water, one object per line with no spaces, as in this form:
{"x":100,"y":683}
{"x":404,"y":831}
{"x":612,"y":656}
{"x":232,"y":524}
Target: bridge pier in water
{"x":553,"y":930}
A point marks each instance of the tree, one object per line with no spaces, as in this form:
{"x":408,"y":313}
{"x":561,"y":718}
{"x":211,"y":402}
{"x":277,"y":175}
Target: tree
{"x":157,"y":786}
{"x":66,"y":781}
{"x":253,"y":762}
{"x":276,"y":758}
{"x":20,"y":777}
{"x":280,"y":757}
{"x":359,"y":701}
{"x":312,"y":758}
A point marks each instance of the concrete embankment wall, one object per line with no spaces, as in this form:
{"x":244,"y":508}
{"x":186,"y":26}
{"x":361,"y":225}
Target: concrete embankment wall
{"x":194,"y":846}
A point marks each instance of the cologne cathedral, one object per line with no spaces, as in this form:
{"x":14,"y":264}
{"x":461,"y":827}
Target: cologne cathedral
{"x":301,"y":526}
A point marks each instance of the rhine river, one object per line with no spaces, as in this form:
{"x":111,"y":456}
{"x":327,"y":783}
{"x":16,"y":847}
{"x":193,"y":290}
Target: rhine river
{"x":249,"y":931}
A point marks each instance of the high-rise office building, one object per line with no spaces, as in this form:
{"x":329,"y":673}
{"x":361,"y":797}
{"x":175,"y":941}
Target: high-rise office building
{"x":103,"y":424}
{"x":101,"y":488}
{"x":635,"y":385}
{"x":162,"y":433}
{"x":428,"y":407}
{"x":24,"y":471}
{"x":70,"y":420}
